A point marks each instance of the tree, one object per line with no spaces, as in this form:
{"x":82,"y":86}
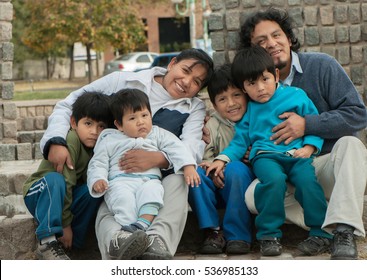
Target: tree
{"x":56,"y":25}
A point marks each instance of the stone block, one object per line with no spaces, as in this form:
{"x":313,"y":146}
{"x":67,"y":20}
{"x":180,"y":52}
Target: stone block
{"x":40,"y":110}
{"x":38,"y":134}
{"x":354,"y":11}
{"x":10,"y":110}
{"x":4,"y":185}
{"x":8,"y":51}
{"x":6,"y":11}
{"x":357,"y":54}
{"x":341,"y":13}
{"x":48,"y":110}
{"x":7,"y":90}
{"x":24,"y":151}
{"x":17,"y":238}
{"x":31,"y":111}
{"x":7,"y":152}
{"x":328,"y":35}
{"x":37,"y":154}
{"x":215,"y":21}
{"x":355,"y":33}
{"x":28,"y":124}
{"x":327,"y":15}
{"x":342,"y":34}
{"x":233,"y":20}
{"x":40,"y":123}
{"x":310,"y":14}
{"x":6,"y":70}
{"x":26,"y":136}
{"x":312,"y":36}
{"x":10,"y":129}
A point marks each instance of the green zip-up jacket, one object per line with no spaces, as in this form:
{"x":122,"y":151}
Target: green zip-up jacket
{"x":80,"y":156}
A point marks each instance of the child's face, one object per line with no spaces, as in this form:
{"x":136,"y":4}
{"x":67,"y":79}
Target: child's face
{"x":231,"y":104}
{"x":262,"y":90}
{"x":88,"y":130}
{"x":136,"y":124}
{"x":182,"y":80}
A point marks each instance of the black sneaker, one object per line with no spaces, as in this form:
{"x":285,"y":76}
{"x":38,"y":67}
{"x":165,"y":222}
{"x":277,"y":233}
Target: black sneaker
{"x":237,"y":247}
{"x":344,"y":246}
{"x":127,"y":245}
{"x":270,"y":247}
{"x":214,"y":242}
{"x":314,"y":245}
{"x":51,"y":251}
{"x":156,"y":250}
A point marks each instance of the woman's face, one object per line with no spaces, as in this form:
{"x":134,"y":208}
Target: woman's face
{"x":184,"y":79}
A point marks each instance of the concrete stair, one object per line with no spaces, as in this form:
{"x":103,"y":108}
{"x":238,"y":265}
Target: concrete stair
{"x":17,"y":227}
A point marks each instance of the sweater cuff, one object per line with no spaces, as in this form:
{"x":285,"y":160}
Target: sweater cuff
{"x":53,"y":141}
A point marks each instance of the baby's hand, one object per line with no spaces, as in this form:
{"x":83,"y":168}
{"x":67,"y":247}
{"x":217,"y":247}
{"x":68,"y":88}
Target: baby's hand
{"x":100,"y":186}
{"x":192,"y":178}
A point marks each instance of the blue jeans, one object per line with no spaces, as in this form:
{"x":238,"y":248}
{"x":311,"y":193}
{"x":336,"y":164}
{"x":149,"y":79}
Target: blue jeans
{"x":45,"y":201}
{"x":205,"y":199}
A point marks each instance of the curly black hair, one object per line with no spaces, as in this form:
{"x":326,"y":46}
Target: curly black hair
{"x":286,"y":23}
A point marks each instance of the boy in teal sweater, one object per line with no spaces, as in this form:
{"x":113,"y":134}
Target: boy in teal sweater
{"x":61,"y":203}
{"x":274,"y":164}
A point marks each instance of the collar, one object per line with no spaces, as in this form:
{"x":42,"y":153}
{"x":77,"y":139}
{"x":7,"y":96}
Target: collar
{"x":295,"y":67}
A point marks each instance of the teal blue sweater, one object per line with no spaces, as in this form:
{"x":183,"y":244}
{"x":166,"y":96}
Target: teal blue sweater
{"x":254,"y":129}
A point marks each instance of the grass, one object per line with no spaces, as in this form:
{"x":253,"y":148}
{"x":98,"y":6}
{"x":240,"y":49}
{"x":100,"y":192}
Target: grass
{"x":42,"y":94}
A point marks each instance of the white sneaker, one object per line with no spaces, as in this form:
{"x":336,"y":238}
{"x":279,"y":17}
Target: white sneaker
{"x":51,"y":251}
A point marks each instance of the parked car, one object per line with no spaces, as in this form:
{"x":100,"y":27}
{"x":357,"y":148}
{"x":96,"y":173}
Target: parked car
{"x":130,"y":62}
{"x":163,"y":59}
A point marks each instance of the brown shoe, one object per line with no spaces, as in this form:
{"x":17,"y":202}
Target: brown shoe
{"x":214,"y":242}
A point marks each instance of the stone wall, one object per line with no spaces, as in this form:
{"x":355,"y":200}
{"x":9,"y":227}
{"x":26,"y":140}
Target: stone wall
{"x":7,"y":109}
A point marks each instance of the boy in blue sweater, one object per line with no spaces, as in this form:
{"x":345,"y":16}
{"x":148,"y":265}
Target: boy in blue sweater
{"x":274,"y":164}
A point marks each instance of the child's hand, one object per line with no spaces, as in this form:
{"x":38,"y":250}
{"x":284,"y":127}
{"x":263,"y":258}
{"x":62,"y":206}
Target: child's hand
{"x":67,"y":238}
{"x":204,"y":165}
{"x":100,"y":186}
{"x":216,"y":166}
{"x":192,"y":178}
{"x":304,"y":152}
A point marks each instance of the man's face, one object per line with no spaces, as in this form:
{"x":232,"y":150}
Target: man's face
{"x":270,"y":36}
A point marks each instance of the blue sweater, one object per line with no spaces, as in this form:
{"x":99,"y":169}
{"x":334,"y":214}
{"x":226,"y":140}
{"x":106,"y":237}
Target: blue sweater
{"x":254,"y":129}
{"x":341,"y":109}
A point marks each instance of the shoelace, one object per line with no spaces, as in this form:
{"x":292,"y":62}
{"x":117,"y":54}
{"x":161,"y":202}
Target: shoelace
{"x":343,"y":238}
{"x":160,"y":242}
{"x":120,"y":234}
{"x":56,"y":249}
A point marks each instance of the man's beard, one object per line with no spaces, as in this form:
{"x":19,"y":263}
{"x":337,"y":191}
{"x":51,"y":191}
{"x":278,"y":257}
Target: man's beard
{"x":280,"y":64}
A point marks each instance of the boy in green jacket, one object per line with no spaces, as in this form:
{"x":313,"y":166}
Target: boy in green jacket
{"x":61,"y":203}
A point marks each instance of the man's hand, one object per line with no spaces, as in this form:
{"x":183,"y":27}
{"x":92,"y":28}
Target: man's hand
{"x":67,"y":238}
{"x":59,"y":155}
{"x":292,"y":128}
{"x":100,"y":186}
{"x":141,"y":160}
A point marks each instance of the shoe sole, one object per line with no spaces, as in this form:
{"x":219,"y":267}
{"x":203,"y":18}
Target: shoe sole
{"x":134,"y":247}
{"x":309,"y":253}
{"x":344,"y":258}
{"x":151,"y":256}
